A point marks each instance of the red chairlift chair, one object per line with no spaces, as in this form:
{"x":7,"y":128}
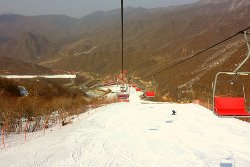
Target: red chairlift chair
{"x":230,"y":106}
{"x":134,"y":85}
{"x":138,"y":89}
{"x":150,"y":94}
{"x":123,"y":93}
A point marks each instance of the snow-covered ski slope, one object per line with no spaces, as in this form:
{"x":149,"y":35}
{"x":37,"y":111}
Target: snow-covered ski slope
{"x":137,"y":134}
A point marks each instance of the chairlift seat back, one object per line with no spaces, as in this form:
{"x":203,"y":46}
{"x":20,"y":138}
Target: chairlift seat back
{"x":123,"y":96}
{"x":230,"y":106}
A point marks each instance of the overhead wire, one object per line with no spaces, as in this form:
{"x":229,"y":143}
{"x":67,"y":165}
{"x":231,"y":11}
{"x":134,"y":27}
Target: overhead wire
{"x":195,"y":55}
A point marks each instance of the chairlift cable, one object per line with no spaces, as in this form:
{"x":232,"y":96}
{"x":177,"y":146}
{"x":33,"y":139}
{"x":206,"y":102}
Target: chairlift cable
{"x":166,"y":69}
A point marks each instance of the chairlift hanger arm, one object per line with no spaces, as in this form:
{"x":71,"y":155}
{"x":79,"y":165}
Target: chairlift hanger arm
{"x":248,"y":54}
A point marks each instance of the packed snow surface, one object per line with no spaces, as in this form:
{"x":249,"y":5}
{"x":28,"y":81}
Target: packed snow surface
{"x":138,"y":134}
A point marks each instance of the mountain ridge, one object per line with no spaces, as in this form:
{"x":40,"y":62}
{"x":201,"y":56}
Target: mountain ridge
{"x":29,"y":47}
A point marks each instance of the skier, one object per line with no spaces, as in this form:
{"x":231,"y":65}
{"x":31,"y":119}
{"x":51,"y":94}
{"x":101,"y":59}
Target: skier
{"x":173,"y":112}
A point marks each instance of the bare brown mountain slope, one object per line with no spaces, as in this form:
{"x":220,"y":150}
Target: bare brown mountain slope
{"x":28,"y":47}
{"x":56,"y":28}
{"x":60,"y":29}
{"x":10,"y":65}
{"x":162,"y":34}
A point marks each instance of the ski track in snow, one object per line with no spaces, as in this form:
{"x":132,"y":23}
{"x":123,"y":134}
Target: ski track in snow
{"x":137,"y":134}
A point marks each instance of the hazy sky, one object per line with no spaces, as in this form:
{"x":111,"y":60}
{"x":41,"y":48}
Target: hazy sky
{"x":77,"y":8}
